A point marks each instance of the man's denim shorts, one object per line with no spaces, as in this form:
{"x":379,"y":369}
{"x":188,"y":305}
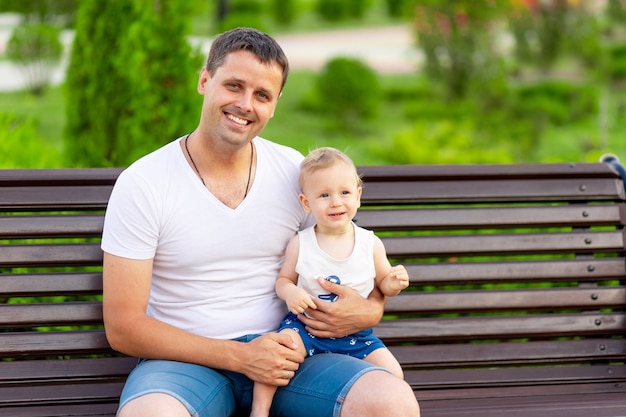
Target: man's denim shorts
{"x":318,"y":388}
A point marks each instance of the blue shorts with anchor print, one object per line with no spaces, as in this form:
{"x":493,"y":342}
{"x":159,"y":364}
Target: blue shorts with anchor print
{"x":357,"y":345}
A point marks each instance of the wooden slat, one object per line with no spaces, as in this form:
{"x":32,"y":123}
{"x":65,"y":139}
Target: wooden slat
{"x":553,"y":352}
{"x":20,"y":227}
{"x":520,"y":271}
{"x":448,"y":378}
{"x":491,"y":217}
{"x":58,"y":342}
{"x":502,"y":244}
{"x":55,"y":198}
{"x":90,"y":369}
{"x":99,"y":409}
{"x":486,"y":171}
{"x":493,"y":300}
{"x":50,"y":314}
{"x":62,"y":283}
{"x":57,"y":393}
{"x":492,"y":190}
{"x":581,"y":400}
{"x":58,"y":176}
{"x":74,"y":254}
{"x":501,"y":327}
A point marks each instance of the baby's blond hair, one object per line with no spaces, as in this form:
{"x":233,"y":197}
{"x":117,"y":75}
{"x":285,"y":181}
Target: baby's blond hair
{"x":325,"y":157}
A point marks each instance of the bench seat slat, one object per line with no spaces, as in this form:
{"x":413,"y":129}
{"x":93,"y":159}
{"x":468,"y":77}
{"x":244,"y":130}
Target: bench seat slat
{"x":500,"y":300}
{"x":519,"y":376}
{"x":520,"y":271}
{"x":99,"y":409}
{"x":522,"y":243}
{"x":485,"y":217}
{"x":581,"y":400}
{"x":65,"y":392}
{"x":551,"y":352}
{"x":501,"y":327}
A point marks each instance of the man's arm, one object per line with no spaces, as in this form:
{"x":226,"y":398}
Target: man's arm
{"x":350,"y":313}
{"x":129,"y":330}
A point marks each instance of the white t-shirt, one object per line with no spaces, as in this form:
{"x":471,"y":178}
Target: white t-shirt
{"x":214,"y":267}
{"x":357,"y":271}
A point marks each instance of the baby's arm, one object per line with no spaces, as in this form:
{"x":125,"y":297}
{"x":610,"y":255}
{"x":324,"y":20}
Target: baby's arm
{"x":296,"y":298}
{"x":390,"y":280}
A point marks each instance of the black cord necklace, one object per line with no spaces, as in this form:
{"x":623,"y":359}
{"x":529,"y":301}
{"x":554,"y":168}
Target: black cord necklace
{"x":202,"y":179}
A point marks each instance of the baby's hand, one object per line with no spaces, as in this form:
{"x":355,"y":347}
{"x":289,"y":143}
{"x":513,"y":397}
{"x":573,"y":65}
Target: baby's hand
{"x":398,"y":278}
{"x":298,"y":301}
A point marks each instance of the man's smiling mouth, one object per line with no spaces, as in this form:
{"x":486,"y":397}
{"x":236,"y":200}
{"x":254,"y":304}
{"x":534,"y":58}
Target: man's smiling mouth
{"x":238,"y":120}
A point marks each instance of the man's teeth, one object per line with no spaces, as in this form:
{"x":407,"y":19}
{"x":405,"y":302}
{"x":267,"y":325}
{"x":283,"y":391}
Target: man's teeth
{"x":237,"y":120}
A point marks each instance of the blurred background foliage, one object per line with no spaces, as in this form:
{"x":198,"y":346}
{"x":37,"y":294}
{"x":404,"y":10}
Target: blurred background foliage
{"x":500,"y":80}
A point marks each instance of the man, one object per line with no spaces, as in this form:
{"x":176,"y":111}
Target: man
{"x":194,"y":237}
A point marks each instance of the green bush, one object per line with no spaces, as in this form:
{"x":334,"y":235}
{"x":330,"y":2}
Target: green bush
{"x":398,"y":8}
{"x":348,"y":90}
{"x":244,"y":13}
{"x":332,"y":10}
{"x":443,"y":142}
{"x":616,"y":62}
{"x":284,"y":11}
{"x":20,"y":147}
{"x":558,"y":102}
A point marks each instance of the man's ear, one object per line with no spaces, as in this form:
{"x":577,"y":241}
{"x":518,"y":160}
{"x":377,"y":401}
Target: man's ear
{"x":202,"y":80}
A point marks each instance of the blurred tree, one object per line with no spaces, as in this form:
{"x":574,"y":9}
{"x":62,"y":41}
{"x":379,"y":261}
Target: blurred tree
{"x":458,"y":40}
{"x":42,"y":11}
{"x":36,"y":49}
{"x":284,"y":11}
{"x":243,"y":13}
{"x":546,"y":31}
{"x":130,"y":82}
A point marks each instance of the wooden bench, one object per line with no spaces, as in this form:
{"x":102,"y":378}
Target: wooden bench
{"x":516,"y":305}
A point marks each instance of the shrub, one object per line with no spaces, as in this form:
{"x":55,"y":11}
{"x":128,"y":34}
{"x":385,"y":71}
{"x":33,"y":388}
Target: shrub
{"x":443,"y":142}
{"x":20,"y":147}
{"x":284,"y":11}
{"x":244,"y":13}
{"x":348,"y":90}
{"x":332,"y":10}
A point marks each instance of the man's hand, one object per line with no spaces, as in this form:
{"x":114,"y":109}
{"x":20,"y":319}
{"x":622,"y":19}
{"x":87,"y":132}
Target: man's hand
{"x":271,"y":359}
{"x":350,"y":313}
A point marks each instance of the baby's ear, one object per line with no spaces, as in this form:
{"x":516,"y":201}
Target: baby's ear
{"x":305,"y":203}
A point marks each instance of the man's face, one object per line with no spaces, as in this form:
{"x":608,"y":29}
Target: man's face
{"x":240,"y":98}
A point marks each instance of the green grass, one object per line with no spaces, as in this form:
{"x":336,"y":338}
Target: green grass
{"x":47,"y":113}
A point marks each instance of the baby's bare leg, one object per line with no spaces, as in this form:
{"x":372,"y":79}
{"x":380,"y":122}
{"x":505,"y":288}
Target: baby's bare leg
{"x":384,"y":358}
{"x":263,"y":394}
